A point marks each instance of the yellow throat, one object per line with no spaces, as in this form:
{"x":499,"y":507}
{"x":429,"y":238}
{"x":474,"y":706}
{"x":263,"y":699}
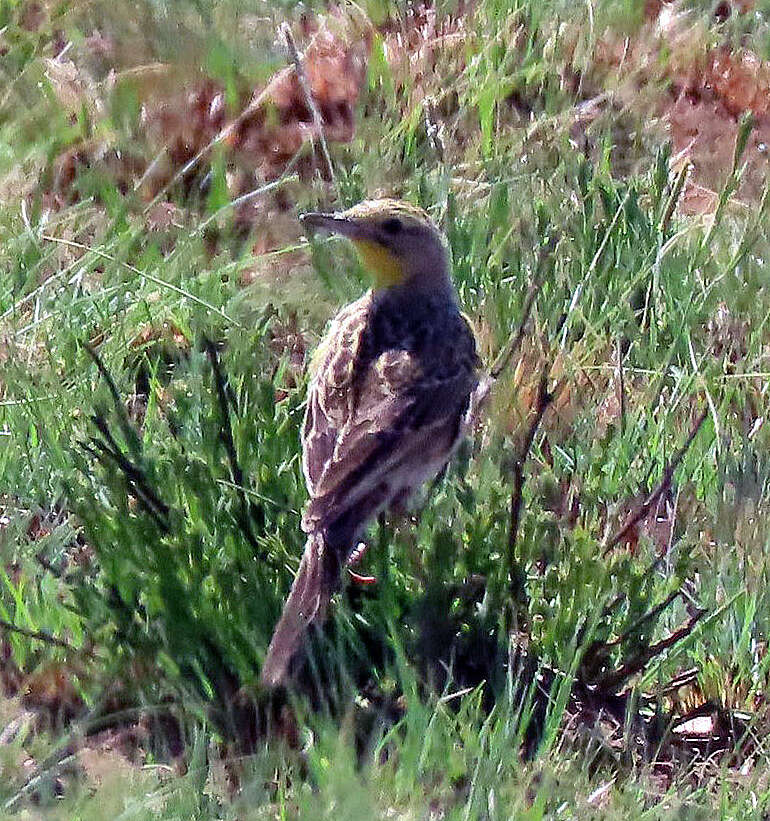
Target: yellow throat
{"x":383,"y":265}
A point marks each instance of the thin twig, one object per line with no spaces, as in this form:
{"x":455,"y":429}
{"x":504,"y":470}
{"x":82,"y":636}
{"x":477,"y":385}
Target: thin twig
{"x":663,"y":485}
{"x":504,"y":357}
{"x":37,"y":635}
{"x":651,"y":614}
{"x":226,"y":435}
{"x":31,"y":783}
{"x":544,"y":399}
{"x":286,"y":175}
{"x":614,"y":679}
{"x":621,"y":387}
{"x":458,"y":694}
{"x":132,"y":438}
{"x":683,"y":679}
{"x":308,"y":93}
{"x":132,"y":471}
{"x":621,"y":597}
{"x":66,"y":749}
{"x":483,"y":389}
{"x":228,"y":129}
{"x":102,"y":453}
{"x":219,"y":137}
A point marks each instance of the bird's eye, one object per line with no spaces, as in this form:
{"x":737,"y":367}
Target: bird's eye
{"x":392,"y":225}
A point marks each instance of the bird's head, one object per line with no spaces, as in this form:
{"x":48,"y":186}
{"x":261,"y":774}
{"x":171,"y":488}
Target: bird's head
{"x":398,"y":243}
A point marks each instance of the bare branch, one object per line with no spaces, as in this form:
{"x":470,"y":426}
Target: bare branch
{"x":614,"y":679}
{"x":651,"y":614}
{"x":621,"y":387}
{"x":642,"y":511}
{"x":543,"y":400}
{"x":37,"y":635}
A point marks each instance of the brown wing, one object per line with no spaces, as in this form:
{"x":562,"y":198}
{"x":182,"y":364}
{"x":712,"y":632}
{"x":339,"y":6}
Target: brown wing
{"x":366,"y":414}
{"x":329,"y":392}
{"x":391,"y":445}
{"x":346,"y":426}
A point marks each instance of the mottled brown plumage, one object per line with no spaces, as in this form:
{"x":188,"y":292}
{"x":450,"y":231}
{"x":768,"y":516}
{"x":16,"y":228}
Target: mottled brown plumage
{"x":385,"y":410}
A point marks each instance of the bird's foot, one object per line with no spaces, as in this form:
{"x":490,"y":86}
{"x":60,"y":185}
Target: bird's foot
{"x":354,"y":558}
{"x":359,"y":579}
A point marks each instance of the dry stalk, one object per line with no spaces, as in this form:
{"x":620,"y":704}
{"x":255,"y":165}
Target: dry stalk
{"x":307,"y":91}
{"x":611,"y":681}
{"x":38,"y":635}
{"x":668,"y":474}
{"x":543,"y":400}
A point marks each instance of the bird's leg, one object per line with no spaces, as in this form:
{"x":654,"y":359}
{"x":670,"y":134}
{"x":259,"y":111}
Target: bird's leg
{"x":355,"y":557}
{"x":398,"y":506}
{"x":357,"y":553}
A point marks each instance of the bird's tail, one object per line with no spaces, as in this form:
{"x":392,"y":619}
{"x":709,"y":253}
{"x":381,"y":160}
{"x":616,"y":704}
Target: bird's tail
{"x":313,"y":586}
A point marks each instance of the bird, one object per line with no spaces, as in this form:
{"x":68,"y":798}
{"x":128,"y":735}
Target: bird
{"x":387,"y":403}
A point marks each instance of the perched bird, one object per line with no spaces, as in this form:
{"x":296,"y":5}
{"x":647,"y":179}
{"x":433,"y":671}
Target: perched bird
{"x":386,"y":405}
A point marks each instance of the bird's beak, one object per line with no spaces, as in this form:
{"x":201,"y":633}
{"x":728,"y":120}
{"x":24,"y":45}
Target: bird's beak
{"x":385,"y":267}
{"x":336,"y":224}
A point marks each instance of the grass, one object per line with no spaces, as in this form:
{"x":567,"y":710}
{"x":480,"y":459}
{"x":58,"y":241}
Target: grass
{"x":152,"y":377}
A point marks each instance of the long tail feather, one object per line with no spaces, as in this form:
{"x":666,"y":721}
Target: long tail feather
{"x":310,"y":594}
